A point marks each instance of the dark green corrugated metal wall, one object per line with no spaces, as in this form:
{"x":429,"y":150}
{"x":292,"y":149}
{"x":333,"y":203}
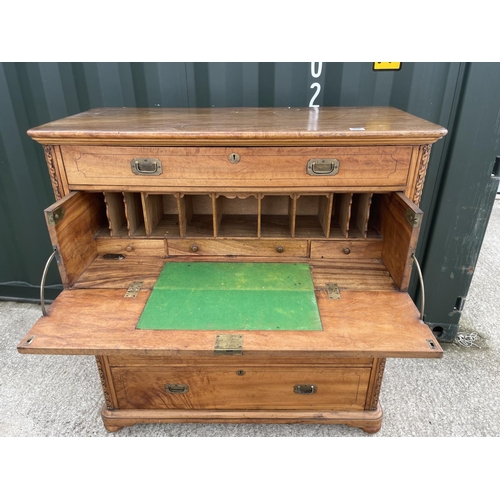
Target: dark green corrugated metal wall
{"x":35,"y":93}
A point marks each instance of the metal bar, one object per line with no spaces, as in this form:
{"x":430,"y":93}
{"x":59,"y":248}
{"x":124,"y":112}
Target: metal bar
{"x":42,"y":284}
{"x":421,"y":279}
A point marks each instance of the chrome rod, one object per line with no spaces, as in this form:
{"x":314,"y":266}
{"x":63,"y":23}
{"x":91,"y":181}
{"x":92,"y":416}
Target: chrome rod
{"x":421,"y":278}
{"x":42,"y":285}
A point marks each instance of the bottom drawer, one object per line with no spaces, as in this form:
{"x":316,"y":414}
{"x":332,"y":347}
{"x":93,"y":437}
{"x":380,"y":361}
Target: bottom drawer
{"x":252,"y":388}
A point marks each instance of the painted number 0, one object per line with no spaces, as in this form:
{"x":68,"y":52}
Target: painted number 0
{"x":316,"y":69}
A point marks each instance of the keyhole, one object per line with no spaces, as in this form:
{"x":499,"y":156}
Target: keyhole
{"x":234,"y":158}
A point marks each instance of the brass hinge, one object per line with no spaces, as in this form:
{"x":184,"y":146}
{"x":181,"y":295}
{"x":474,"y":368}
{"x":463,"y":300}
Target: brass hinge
{"x":56,"y":216}
{"x":413,"y":218}
{"x":333,"y":291}
{"x":228,"y":345}
{"x":133,"y":289}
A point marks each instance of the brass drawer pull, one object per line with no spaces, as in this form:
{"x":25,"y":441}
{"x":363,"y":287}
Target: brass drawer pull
{"x":176,"y":388}
{"x":146,"y":166}
{"x":280,"y":249}
{"x":323,"y":166}
{"x":194,"y":248}
{"x":304,"y":389}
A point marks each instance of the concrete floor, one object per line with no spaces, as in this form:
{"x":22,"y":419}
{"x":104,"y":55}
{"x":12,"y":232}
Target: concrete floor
{"x":454,"y":396}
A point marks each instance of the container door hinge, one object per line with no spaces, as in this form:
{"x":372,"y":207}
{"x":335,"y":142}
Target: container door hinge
{"x":333,"y":291}
{"x":413,"y":218}
{"x":496,"y":168}
{"x":459,"y":304}
{"x":228,"y":345}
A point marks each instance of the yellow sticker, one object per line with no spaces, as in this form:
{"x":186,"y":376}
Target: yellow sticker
{"x":394,"y":66}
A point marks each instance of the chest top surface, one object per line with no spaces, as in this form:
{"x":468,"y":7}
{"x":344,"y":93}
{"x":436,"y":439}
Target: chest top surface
{"x":240,"y":126}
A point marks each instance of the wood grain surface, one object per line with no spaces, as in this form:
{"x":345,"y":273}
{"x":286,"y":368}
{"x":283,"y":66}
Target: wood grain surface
{"x":102,"y":321}
{"x":399,"y":237}
{"x":369,"y":421}
{"x":230,"y":247}
{"x":239,"y":126}
{"x":73,"y":234}
{"x":222,"y":388}
{"x":210,"y":167}
{"x":351,"y":228}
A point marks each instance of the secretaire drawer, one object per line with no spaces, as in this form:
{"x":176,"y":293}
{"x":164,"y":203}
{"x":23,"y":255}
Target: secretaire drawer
{"x":257,"y":248}
{"x":248,"y":387}
{"x":217,"y":168}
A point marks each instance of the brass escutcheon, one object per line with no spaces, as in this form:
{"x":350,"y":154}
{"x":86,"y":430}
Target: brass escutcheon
{"x":234,"y":157}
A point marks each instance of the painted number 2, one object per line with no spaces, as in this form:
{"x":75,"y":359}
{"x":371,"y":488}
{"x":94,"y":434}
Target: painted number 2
{"x":316,"y":69}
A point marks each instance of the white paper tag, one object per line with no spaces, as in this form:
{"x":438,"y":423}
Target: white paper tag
{"x":357,"y":128}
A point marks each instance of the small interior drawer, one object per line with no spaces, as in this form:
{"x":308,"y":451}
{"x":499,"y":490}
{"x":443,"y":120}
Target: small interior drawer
{"x":248,"y":387}
{"x":262,"y":248}
{"x":348,"y":249}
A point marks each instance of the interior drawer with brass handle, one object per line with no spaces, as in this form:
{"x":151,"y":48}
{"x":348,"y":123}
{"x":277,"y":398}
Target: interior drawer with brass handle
{"x":177,"y":388}
{"x":240,"y":247}
{"x":245,"y":386}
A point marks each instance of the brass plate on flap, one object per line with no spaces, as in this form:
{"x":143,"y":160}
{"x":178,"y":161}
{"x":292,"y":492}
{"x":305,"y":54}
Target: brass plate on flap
{"x":333,"y":291}
{"x":228,"y":345}
{"x":133,"y":289}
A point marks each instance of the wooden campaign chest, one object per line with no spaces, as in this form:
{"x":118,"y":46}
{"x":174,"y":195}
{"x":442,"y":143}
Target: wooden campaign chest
{"x":216,"y":198}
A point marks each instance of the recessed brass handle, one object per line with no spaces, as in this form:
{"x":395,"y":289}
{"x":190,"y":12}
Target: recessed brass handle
{"x":146,"y":166}
{"x":194,"y":248}
{"x":323,"y":166}
{"x":280,"y":249}
{"x":176,"y":388}
{"x":304,"y":389}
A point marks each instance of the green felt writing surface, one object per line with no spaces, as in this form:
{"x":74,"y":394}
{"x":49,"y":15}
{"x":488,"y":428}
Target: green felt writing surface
{"x":232,"y":296}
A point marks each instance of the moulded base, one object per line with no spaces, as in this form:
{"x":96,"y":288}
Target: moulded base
{"x":367,"y":420}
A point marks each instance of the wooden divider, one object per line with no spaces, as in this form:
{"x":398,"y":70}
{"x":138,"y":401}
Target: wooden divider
{"x":115,"y":212}
{"x":360,"y":213}
{"x":240,"y":215}
{"x":134,"y":214}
